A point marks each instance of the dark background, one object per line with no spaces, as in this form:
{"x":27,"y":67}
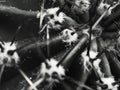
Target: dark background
{"x":29,"y":28}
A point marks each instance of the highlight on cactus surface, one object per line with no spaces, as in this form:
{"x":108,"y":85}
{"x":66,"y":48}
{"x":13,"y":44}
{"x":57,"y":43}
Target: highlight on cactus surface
{"x":59,"y":45}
